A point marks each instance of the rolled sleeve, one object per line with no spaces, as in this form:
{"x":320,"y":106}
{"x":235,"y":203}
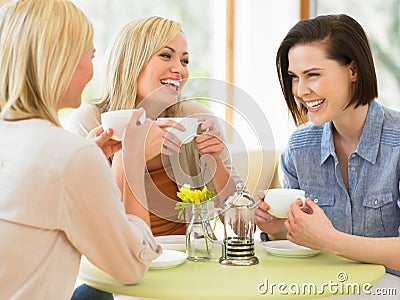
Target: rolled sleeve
{"x":150,"y":250}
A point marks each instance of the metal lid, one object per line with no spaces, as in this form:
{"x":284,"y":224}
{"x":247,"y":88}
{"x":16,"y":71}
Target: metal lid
{"x":241,"y":198}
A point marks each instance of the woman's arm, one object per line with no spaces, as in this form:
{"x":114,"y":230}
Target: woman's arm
{"x":140,"y":144}
{"x":214,"y":154}
{"x":383,"y":251}
{"x":211,"y":148}
{"x":275,"y":227}
{"x":132,"y":205}
{"x":95,"y":222}
{"x":302,"y":230}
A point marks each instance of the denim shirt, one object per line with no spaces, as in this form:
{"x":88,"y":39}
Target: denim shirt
{"x":371,"y":206}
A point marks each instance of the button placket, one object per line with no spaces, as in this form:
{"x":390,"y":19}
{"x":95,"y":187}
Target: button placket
{"x":352,"y":169}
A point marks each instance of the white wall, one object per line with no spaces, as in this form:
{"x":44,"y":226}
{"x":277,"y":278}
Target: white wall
{"x":260,"y":27}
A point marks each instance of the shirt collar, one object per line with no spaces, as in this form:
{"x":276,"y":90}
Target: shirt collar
{"x":368,"y":145}
{"x":327,"y":146}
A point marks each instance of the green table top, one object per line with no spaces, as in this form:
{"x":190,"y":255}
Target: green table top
{"x":274,"y":277}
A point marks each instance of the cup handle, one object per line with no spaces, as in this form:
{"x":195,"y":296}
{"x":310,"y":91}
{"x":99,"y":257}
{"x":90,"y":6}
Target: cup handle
{"x":199,"y":131}
{"x":303,"y":199}
{"x":304,"y":206}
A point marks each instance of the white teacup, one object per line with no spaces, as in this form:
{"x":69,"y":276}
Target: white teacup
{"x":117,"y":120}
{"x":191,"y":125}
{"x":280,"y":200}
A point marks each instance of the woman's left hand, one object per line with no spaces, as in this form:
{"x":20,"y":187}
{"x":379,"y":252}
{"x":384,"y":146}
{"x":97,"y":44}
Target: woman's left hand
{"x":313,"y":230}
{"x":103,"y":139}
{"x":210,"y":140}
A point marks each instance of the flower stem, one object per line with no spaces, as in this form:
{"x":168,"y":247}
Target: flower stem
{"x":199,"y":208}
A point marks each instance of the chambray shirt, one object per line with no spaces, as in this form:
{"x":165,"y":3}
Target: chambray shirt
{"x":370,"y":207}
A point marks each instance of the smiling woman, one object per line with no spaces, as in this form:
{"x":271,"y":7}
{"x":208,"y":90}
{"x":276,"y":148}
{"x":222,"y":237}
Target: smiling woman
{"x":198,"y":28}
{"x":152,"y":76}
{"x":313,"y":76}
{"x":348,"y":155}
{"x":147,"y":67}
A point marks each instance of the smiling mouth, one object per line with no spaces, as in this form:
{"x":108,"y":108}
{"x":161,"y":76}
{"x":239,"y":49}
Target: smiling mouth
{"x":314,"y":104}
{"x":175,"y":84}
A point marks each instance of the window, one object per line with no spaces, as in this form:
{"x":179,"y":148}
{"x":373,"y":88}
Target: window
{"x":197,"y":18}
{"x":260,"y":27}
{"x":381,"y":21}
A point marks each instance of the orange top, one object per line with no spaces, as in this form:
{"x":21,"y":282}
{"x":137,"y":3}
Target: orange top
{"x":163,"y":216}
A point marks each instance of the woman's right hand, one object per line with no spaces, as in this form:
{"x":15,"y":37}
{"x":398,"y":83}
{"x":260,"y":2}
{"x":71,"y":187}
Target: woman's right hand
{"x":266,"y":222}
{"x":153,"y":135}
{"x":103,"y":139}
{"x":170,"y":143}
{"x":160,"y":140}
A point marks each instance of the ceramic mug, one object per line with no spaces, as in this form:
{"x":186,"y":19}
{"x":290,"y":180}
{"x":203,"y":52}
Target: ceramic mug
{"x":117,"y":120}
{"x":191,"y":125}
{"x":280,"y":200}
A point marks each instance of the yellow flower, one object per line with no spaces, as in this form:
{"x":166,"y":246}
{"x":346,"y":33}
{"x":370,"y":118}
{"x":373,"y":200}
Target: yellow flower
{"x":190,"y":197}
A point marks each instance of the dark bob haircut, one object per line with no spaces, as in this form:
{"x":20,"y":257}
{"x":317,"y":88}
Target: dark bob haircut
{"x":345,"y":41}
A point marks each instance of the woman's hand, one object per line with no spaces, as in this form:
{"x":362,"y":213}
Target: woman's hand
{"x":210,"y":140}
{"x":135,"y":133}
{"x":133,"y":155}
{"x":103,"y":139}
{"x":313,"y":230}
{"x":155,"y":138}
{"x":170,"y":143}
{"x":266,"y":222}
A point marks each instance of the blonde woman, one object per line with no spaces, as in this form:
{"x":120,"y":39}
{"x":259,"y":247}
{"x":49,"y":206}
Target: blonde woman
{"x":147,"y":67}
{"x":59,"y":199}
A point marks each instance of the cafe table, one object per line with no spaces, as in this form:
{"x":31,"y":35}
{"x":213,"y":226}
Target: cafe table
{"x":275,"y":277}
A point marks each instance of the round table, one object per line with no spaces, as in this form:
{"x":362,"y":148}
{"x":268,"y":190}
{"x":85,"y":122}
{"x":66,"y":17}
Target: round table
{"x":273,"y":278}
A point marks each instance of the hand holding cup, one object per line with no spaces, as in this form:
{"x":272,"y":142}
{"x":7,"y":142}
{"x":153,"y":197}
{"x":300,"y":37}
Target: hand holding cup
{"x":184,"y":129}
{"x":280,"y":200}
{"x":117,"y":120}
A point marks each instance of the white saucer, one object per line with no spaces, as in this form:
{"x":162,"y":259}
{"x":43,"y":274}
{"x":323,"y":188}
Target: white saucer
{"x":168,"y":259}
{"x":172,"y":242}
{"x":286,"y":248}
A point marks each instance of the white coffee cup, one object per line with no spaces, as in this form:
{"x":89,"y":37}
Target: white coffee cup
{"x":280,"y":200}
{"x":117,"y":120}
{"x":191,"y":125}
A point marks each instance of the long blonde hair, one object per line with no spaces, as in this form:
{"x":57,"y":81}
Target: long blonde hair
{"x":41,"y":43}
{"x":130,"y":51}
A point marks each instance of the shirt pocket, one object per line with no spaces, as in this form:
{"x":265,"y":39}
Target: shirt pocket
{"x":325,"y":200}
{"x":381,"y":215}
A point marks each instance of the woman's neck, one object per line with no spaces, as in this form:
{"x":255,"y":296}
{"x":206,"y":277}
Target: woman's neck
{"x":349,"y":127}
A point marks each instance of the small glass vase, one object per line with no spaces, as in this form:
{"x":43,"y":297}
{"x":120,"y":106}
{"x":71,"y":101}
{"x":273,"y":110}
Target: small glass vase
{"x":198,"y":247}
